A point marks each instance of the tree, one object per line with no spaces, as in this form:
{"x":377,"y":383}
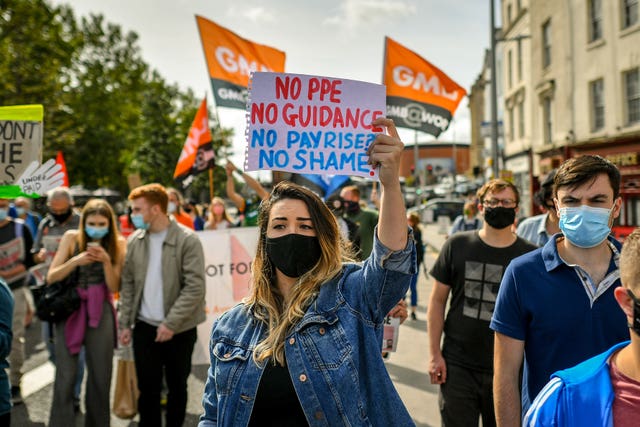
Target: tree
{"x":108,"y":82}
{"x":37,"y":47}
{"x":105,"y":108}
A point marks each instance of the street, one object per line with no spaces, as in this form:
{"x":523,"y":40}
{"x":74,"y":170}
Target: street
{"x":407,"y":367}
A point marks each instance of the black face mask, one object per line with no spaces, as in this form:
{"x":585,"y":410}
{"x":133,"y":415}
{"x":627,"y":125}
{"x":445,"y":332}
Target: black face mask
{"x":499,"y":217}
{"x":293,"y":254}
{"x":60,"y":218}
{"x":636,"y":313}
{"x":352,"y":207}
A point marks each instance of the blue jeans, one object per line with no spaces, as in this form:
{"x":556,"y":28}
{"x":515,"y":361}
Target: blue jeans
{"x":47,"y":337}
{"x":413,"y":286}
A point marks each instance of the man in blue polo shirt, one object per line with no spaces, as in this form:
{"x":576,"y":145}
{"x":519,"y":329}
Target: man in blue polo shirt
{"x":556,"y":305}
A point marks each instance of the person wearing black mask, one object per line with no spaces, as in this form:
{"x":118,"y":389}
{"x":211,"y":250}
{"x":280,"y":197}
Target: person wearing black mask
{"x":59,"y":219}
{"x":304,"y":348}
{"x":470,"y":267}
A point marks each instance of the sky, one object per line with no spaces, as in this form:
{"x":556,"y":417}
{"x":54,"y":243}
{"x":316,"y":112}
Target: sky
{"x":335,"y":38}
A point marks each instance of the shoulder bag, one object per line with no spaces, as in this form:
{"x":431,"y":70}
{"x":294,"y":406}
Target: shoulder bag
{"x":57,"y":301}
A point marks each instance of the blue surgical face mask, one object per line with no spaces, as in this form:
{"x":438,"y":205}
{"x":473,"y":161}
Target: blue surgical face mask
{"x":585,"y":226}
{"x":96,"y":232}
{"x":138,"y":221}
{"x":4,"y":213}
{"x":20,"y":211}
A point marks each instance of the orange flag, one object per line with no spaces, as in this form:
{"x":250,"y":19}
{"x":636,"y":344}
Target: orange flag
{"x":231,"y":59}
{"x":63,"y":165}
{"x":197,"y":154}
{"x":419,"y":95}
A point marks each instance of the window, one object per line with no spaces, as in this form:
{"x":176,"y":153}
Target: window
{"x":508,"y":14}
{"x":595,"y":20}
{"x":632,"y":95}
{"x":519,"y":60}
{"x":597,"y":104}
{"x":512,"y":124}
{"x":546,"y":117}
{"x":521,"y":119}
{"x":629,"y":13}
{"x":546,"y":44}
{"x":510,"y":68}
{"x":518,"y":6}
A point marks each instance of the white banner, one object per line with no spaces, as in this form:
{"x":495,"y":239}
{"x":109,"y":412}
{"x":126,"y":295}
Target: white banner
{"x":227,"y":257}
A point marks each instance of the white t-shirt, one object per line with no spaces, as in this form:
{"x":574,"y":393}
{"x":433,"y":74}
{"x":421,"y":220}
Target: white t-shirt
{"x":152,"y":305}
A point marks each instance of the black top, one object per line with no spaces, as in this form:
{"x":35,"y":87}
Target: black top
{"x":473,"y":270}
{"x":276,"y":401}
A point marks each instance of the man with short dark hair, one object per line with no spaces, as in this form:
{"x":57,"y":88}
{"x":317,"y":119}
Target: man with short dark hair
{"x":469,"y":267}
{"x":556,"y":305}
{"x":161,"y":303}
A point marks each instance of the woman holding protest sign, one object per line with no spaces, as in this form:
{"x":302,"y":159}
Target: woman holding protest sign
{"x":94,"y":254}
{"x":305,"y":347}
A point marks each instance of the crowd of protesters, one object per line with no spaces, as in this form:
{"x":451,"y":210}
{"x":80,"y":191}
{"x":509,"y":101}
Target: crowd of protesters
{"x":510,"y":307}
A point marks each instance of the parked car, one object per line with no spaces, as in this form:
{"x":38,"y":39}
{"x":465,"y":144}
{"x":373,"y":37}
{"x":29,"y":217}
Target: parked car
{"x":433,"y":209}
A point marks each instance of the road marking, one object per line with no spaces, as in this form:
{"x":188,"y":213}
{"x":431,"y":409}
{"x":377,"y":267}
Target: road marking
{"x":37,"y":379}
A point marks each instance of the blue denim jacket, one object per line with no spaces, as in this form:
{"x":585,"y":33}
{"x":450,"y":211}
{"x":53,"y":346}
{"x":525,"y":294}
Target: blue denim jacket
{"x":333,"y":354}
{"x":6,"y":335}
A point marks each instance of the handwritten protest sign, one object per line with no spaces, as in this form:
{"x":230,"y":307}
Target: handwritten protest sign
{"x":20,"y":140}
{"x":310,"y":124}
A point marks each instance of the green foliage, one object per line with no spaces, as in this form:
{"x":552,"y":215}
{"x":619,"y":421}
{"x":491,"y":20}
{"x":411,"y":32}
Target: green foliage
{"x":105,"y":108}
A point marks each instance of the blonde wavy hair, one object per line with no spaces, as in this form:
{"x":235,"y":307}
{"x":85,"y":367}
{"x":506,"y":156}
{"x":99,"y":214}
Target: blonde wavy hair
{"x":265,"y":300}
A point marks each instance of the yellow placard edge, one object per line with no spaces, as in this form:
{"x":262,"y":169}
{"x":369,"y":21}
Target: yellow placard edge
{"x":34,"y":112}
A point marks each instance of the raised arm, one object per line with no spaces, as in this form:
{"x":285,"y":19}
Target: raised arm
{"x":385,"y":153}
{"x":231,"y":189}
{"x":250,"y":181}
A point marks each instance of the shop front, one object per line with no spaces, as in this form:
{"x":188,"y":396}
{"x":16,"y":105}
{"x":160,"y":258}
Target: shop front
{"x":627,"y":158}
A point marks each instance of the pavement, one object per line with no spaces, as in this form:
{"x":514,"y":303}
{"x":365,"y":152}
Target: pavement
{"x":407,"y":366}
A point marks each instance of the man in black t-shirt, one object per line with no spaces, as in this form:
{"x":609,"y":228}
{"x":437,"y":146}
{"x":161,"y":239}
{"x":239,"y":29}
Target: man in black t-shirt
{"x":470,"y":267}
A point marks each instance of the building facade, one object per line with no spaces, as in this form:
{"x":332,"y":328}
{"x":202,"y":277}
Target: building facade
{"x":571,"y":87}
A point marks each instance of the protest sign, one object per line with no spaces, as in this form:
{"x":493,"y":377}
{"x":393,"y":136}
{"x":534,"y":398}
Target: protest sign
{"x":311,"y":124}
{"x":39,"y":271}
{"x":227,"y":255}
{"x":20,"y":140}
{"x":12,"y":253}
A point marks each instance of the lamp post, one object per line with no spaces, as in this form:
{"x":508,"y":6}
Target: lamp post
{"x":494,"y":96}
